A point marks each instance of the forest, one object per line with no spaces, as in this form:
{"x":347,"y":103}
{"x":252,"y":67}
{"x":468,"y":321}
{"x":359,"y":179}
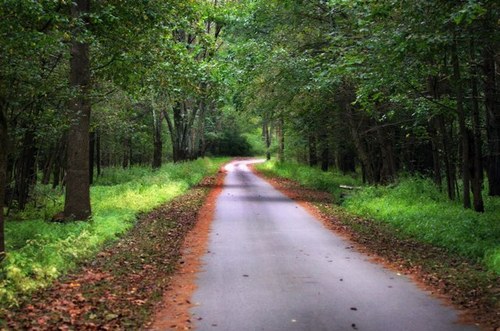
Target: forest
{"x":151,"y":94}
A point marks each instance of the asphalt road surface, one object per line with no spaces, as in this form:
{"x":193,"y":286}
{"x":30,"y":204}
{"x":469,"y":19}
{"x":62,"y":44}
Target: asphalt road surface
{"x":272,"y":266}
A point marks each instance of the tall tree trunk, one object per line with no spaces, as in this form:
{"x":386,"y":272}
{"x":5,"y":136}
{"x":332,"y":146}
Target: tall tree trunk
{"x":157,"y":142}
{"x":4,"y":137}
{"x":77,"y":202}
{"x":388,"y":166}
{"x":267,"y":138}
{"x":448,"y":158}
{"x":281,"y":139}
{"x":25,"y":170}
{"x":49,"y":164}
{"x":477,"y":175}
{"x":464,"y":137}
{"x":436,"y":159}
{"x":127,"y":153}
{"x":325,"y":154}
{"x":492,"y":104}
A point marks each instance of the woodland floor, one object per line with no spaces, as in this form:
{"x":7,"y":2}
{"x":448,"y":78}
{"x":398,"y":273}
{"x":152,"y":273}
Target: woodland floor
{"x":123,"y":286}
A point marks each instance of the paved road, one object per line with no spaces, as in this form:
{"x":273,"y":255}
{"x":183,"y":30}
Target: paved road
{"x":272,"y":266}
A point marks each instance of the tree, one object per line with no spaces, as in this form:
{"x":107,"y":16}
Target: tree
{"x":77,"y":202}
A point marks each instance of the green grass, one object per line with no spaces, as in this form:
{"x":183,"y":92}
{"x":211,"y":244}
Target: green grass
{"x":39,"y":251}
{"x":416,"y":208}
{"x":310,"y":177}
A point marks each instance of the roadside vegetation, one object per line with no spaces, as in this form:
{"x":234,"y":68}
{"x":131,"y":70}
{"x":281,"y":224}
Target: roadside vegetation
{"x":413,"y":206}
{"x":39,"y":251}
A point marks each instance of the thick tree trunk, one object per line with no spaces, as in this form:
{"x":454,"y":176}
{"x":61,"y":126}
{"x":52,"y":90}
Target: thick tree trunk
{"x":77,"y":202}
{"x":3,"y":173}
{"x":157,"y":141}
{"x":492,"y":104}
{"x":464,"y":137}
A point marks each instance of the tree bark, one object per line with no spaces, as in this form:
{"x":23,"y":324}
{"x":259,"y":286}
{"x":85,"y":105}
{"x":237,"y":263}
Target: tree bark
{"x":77,"y":202}
{"x":325,"y":155}
{"x":477,"y":174}
{"x":157,"y":141}
{"x":464,"y":137}
{"x":267,"y":138}
{"x":492,"y":104}
{"x":448,"y":158}
{"x":25,"y":170}
{"x":281,"y":139}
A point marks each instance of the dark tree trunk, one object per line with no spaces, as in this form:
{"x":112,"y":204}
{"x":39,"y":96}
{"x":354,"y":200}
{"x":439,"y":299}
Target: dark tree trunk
{"x":26,"y":172}
{"x":158,"y":144}
{"x":448,"y":158}
{"x":313,"y":151}
{"x":77,"y":202}
{"x":464,"y":137}
{"x":3,"y":173}
{"x":49,"y":164}
{"x":477,"y":173}
{"x":267,"y":138}
{"x":92,"y":138}
{"x":492,"y":104}
{"x":127,"y":153}
{"x":325,"y":156}
{"x":59,"y":162}
{"x":180,"y":129}
{"x":388,"y":163}
{"x":281,"y":139}
{"x":436,"y":159}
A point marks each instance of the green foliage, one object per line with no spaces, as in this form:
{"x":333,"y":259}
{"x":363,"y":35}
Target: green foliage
{"x":417,"y":207}
{"x":39,"y":251}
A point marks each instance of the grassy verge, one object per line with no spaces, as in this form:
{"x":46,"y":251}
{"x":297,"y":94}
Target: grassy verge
{"x":40,"y":251}
{"x":415,"y":208}
{"x":119,"y":288}
{"x":310,"y":177}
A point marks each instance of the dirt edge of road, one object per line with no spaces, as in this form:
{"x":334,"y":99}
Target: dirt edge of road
{"x":173,"y":313}
{"x":475,"y":305}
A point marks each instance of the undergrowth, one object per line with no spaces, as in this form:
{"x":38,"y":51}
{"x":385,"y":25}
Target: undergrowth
{"x":311,"y":177}
{"x":39,"y":251}
{"x":415,"y":207}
